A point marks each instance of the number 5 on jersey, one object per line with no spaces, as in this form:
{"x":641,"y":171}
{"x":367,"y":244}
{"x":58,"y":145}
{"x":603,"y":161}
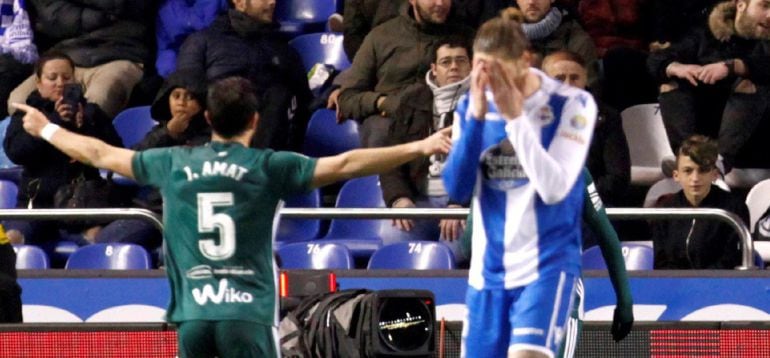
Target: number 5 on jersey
{"x":209,"y":222}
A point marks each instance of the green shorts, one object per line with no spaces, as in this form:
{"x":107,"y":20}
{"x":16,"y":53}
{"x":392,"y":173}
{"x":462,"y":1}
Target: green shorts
{"x":244,"y":339}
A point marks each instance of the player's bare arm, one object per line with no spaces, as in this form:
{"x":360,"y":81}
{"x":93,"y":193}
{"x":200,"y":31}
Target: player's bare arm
{"x":363,"y":162}
{"x":82,"y":148}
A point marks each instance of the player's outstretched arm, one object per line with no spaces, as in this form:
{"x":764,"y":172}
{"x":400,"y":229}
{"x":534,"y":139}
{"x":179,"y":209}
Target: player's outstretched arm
{"x":363,"y":162}
{"x":82,"y":148}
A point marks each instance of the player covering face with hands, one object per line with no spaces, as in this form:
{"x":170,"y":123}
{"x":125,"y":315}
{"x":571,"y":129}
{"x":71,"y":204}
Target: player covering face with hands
{"x":220,"y":200}
{"x":520,"y":142}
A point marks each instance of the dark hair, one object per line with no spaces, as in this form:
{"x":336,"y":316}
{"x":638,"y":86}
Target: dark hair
{"x":451,"y":42}
{"x":565,"y":55}
{"x":502,"y":36}
{"x":50,"y":56}
{"x":231,"y":105}
{"x":701,"y":149}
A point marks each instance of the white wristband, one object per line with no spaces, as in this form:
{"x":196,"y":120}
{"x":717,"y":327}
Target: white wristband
{"x":48,"y":131}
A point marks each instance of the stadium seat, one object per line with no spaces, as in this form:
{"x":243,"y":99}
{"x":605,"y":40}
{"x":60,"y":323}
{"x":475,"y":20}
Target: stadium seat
{"x":324,"y":48}
{"x":324,"y":137}
{"x":362,"y":237}
{"x":8,"y":192}
{"x":660,"y":188}
{"x":132,"y":124}
{"x":30,"y":257}
{"x":758,"y":200}
{"x":109,"y":257}
{"x":291,"y":230}
{"x":315,"y":255}
{"x":299,"y":17}
{"x":638,"y":256}
{"x":647,"y":142}
{"x":414,"y":255}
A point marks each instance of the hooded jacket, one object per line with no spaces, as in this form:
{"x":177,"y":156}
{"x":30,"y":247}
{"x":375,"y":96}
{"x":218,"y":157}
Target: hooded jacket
{"x":45,"y":167}
{"x":699,"y":243}
{"x":198,"y":131}
{"x":713,"y":42}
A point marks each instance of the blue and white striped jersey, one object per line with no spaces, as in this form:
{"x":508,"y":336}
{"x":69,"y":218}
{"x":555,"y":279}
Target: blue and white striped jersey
{"x":525,"y":181}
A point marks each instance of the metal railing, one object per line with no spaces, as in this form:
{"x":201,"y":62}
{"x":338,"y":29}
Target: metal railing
{"x":82,"y":214}
{"x":613,"y":213}
{"x":382,"y":213}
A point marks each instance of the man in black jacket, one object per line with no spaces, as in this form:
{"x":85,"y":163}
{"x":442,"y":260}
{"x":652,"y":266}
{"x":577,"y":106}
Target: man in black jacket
{"x":698,"y":243}
{"x":713,"y":81}
{"x":245,"y":42}
{"x":107,"y":39}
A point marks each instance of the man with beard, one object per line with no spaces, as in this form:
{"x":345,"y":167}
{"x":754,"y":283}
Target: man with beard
{"x":386,"y":80}
{"x":550,"y":29}
{"x":245,"y":42}
{"x":713,"y":81}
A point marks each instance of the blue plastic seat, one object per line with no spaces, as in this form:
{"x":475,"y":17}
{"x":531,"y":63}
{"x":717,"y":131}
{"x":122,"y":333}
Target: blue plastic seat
{"x":362,"y":237}
{"x":324,"y":137}
{"x":132,"y":124}
{"x":8,"y":193}
{"x":30,"y":257}
{"x":637,"y":257}
{"x":324,"y":48}
{"x":291,"y":230}
{"x":315,"y":255}
{"x":109,"y":257}
{"x":414,"y":255}
{"x":299,"y":17}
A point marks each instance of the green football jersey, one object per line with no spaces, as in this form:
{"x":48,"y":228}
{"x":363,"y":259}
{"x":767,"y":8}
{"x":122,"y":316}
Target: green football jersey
{"x":218,"y":206}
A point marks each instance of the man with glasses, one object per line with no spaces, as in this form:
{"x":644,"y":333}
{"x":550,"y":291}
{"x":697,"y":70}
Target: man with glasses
{"x":419,"y":184}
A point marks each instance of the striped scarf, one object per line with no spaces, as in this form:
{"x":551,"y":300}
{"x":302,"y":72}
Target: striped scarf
{"x":544,"y":27}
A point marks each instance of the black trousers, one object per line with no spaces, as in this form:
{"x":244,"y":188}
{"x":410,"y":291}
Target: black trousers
{"x":716,"y":111}
{"x":10,"y":291}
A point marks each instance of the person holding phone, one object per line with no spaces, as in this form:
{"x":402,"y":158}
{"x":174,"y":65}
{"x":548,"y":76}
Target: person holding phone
{"x":46,"y":169}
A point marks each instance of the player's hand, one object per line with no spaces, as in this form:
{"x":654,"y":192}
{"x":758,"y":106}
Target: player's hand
{"x":479,"y":83}
{"x":506,"y":94}
{"x":438,"y":143}
{"x":403,"y":224}
{"x":622,"y":321}
{"x":451,"y":229}
{"x":34,"y":120}
{"x":713,"y":72}
{"x":685,"y":72}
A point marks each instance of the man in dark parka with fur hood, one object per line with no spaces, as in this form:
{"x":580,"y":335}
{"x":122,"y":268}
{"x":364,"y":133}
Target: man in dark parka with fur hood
{"x":713,"y":81}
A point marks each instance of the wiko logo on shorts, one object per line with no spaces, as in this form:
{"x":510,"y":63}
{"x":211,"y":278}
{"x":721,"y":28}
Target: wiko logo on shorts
{"x":224,"y":294}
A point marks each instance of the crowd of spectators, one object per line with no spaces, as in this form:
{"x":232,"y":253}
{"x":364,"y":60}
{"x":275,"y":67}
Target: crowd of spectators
{"x":705,"y":62}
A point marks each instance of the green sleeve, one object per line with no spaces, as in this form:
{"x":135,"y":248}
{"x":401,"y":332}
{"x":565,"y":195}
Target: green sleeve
{"x":152,"y":166}
{"x":293,"y":173}
{"x":596,"y":217}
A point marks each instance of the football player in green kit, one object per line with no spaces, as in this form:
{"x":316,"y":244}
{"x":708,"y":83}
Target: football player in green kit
{"x":219,"y":203}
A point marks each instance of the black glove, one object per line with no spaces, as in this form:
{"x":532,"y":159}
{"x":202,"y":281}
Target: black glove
{"x":622,"y":321}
